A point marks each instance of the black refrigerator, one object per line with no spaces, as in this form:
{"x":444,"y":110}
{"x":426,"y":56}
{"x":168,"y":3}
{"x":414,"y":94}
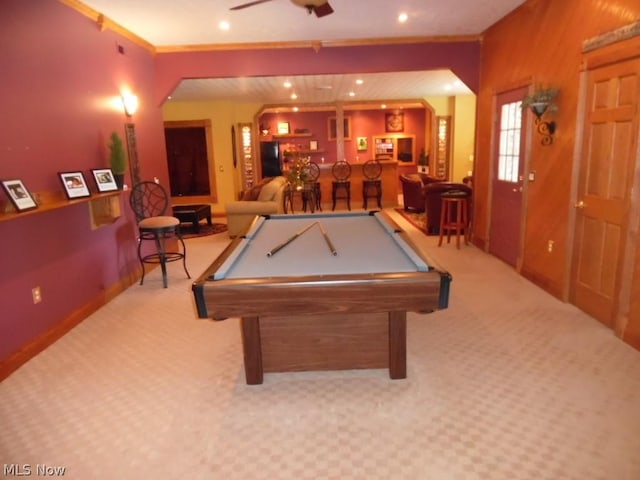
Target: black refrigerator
{"x":270,"y":159}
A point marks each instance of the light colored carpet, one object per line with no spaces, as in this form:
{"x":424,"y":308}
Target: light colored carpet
{"x":507,"y":384}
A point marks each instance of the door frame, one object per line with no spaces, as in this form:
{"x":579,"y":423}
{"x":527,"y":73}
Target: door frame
{"x":206,"y":124}
{"x":527,"y":132}
{"x":608,"y":54}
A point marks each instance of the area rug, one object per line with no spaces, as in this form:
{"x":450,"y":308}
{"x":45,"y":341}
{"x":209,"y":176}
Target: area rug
{"x":418,"y":220}
{"x":188,"y":231}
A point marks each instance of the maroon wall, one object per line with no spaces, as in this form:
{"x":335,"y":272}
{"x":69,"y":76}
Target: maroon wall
{"x":59,"y":73}
{"x":364,"y":123}
{"x":463,"y":58}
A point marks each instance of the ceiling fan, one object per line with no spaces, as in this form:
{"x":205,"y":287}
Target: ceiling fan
{"x":320,"y":7}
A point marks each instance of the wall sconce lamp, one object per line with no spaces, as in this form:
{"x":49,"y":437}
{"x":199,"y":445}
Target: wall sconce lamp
{"x":130,"y":104}
{"x":545,"y":128}
{"x":540,"y":102}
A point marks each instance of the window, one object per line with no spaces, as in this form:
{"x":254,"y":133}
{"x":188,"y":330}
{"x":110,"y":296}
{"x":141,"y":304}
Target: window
{"x":509,"y":148}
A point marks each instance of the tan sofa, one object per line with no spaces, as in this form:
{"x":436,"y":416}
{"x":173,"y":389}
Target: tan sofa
{"x":264,"y":199}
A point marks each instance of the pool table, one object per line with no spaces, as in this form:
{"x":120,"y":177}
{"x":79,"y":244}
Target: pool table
{"x":321,"y":292}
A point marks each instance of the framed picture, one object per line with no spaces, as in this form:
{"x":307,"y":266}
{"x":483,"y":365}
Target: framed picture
{"x":75,"y":186}
{"x":333,"y":128}
{"x":105,"y":181}
{"x":19,"y":195}
{"x":283,"y":128}
{"x":394,"y":122}
{"x":363,"y":144}
{"x":313,"y":145}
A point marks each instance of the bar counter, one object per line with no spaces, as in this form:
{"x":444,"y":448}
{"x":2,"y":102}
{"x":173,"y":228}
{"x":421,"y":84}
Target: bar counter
{"x":389,"y":177}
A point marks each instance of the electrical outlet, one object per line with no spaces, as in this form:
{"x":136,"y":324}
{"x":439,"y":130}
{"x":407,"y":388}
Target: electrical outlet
{"x":36,"y":294}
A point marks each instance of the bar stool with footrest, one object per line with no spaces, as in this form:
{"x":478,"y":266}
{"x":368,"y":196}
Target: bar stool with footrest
{"x":149,"y":202}
{"x":341,"y":185}
{"x":371,"y":183}
{"x":312,"y":171}
{"x":454,"y":216}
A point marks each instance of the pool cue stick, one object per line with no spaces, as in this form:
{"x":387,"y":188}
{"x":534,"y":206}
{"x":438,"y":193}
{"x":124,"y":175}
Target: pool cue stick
{"x":276,"y":249}
{"x":328,"y":240}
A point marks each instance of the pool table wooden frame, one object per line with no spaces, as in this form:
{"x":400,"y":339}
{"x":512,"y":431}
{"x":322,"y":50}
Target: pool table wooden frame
{"x":328,"y":322}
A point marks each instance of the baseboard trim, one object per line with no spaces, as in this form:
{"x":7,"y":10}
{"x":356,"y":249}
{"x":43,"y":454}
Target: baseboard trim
{"x":49,"y":337}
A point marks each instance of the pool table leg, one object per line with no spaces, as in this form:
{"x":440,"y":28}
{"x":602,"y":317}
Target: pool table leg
{"x":252,"y":350}
{"x":397,"y":345}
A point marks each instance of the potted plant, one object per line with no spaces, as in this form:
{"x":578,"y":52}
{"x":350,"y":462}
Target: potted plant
{"x":541,"y":100}
{"x":118,"y":159}
{"x":297,"y":173}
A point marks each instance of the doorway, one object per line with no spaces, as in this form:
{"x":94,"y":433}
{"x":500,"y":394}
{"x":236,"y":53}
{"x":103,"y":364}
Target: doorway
{"x":602,"y":249}
{"x":189,"y":160}
{"x":507,"y":177}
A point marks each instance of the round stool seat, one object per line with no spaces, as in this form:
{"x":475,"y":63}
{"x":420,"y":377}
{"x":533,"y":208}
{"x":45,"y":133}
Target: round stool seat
{"x":160,"y":222}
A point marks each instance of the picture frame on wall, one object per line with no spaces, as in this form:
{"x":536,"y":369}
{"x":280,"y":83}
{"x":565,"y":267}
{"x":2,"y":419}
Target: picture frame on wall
{"x":333,"y":130}
{"x":394,"y":122}
{"x":362,"y":144}
{"x":283,"y":128}
{"x":75,"y":186}
{"x":313,"y":145}
{"x":19,"y":195}
{"x":105,"y":181}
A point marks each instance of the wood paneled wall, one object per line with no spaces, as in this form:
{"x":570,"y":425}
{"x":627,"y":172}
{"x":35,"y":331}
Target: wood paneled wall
{"x":541,"y":43}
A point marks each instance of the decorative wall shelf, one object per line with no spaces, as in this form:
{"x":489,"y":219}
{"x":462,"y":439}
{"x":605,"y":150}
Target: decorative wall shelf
{"x":310,"y":152}
{"x":395,"y":147}
{"x":104,"y":208}
{"x":293,"y":135}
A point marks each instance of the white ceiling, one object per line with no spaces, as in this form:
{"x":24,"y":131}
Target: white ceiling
{"x":179,"y":23}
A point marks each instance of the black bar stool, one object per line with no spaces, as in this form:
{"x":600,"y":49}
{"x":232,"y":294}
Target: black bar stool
{"x":312,"y":171}
{"x":341,"y":186}
{"x":371,"y":183}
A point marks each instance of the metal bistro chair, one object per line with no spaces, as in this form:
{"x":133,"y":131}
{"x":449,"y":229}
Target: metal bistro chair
{"x":149,"y":202}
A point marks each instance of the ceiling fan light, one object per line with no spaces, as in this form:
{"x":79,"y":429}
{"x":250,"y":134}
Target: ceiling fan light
{"x":323,"y":10}
{"x":320,"y":7}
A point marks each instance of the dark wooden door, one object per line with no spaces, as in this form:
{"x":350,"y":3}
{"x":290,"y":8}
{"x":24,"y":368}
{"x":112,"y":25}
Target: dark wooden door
{"x":187,"y":160}
{"x":609,"y":151}
{"x":507,"y":177}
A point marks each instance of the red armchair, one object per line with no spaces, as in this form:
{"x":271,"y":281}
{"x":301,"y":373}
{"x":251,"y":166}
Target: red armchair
{"x":413,"y":185}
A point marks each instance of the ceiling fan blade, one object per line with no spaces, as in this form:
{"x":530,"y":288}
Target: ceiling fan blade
{"x":323,"y":10}
{"x":249,"y":4}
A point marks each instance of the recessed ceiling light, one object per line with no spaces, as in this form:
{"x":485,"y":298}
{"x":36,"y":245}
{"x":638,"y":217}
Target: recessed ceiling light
{"x":448,"y":87}
{"x":295,"y":109}
{"x":352,"y":94}
{"x":359,"y":81}
{"x":403,"y":17}
{"x":224,"y":25}
{"x":287,"y":84}
{"x":383,"y":106}
{"x":294,"y":96}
